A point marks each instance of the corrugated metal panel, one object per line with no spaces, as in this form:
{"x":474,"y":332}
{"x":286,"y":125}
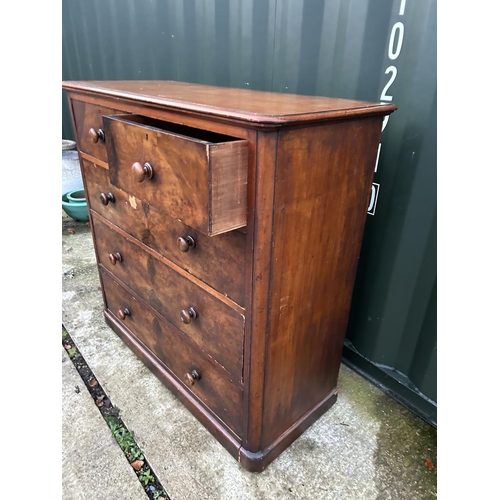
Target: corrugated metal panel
{"x":393,"y":322}
{"x":362,"y":49}
{"x":216,"y":42}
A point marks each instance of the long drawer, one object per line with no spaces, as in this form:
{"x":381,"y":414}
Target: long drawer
{"x":191,"y":366}
{"x":212,"y":324}
{"x":218,"y":261}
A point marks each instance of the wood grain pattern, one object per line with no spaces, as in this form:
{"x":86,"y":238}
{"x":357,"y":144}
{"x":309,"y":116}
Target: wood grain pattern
{"x":218,"y":261}
{"x":205,"y":415}
{"x":218,"y":124}
{"x":258,"y":461}
{"x":250,"y":106}
{"x":88,"y":116}
{"x":259,"y":282}
{"x":93,"y":159}
{"x":218,"y":330}
{"x":179,"y":355}
{"x":228,"y":186}
{"x":185,"y":170}
{"x":319,"y":218}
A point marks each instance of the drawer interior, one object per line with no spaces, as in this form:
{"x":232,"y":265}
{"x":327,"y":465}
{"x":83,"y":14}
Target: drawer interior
{"x":205,"y":136}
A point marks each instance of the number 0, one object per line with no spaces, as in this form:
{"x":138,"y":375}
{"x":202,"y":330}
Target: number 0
{"x":393,"y":54}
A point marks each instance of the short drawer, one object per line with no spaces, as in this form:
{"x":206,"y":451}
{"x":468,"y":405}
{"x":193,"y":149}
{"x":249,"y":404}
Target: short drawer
{"x":193,"y":175}
{"x":194,"y":369}
{"x":212,"y":324}
{"x":89,"y":128}
{"x":218,"y":261}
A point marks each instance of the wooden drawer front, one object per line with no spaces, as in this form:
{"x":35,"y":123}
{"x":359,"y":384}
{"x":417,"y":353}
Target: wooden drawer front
{"x":177,"y":353}
{"x":219,"y":261}
{"x":193,"y":175}
{"x":217,"y":329}
{"x":89,"y":117}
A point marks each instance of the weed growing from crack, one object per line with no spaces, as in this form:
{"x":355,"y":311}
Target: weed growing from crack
{"x":73,"y":352}
{"x":122,"y":435}
{"x":125,"y":439}
{"x":146,"y":477}
{"x":159,"y":493}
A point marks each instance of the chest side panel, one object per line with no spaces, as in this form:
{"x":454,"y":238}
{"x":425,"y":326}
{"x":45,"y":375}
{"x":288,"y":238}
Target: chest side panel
{"x":323,"y":180}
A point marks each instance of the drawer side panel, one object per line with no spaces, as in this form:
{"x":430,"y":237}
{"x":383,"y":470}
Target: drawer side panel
{"x":228,"y":186}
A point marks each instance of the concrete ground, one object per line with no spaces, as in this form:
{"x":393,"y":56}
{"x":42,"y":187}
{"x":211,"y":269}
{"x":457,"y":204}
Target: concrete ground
{"x":366,"y":446}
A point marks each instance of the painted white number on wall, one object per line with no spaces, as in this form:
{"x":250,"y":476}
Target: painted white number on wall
{"x":393,"y":51}
{"x":394,"y":72}
{"x":373,"y":198}
{"x":398,"y":28}
{"x":384,"y":123}
{"x":402,"y":7}
{"x":378,"y":156}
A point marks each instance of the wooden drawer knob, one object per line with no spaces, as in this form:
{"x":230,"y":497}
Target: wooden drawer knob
{"x":188,"y":315}
{"x":140,"y":172}
{"x":192,"y":377}
{"x":95,"y":136}
{"x":186,"y":243}
{"x":106,"y":198}
{"x":122,"y":314}
{"x":115,"y":257}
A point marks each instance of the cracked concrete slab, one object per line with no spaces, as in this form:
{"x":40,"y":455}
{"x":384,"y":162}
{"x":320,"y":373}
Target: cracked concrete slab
{"x":366,"y":446}
{"x":93,"y":465}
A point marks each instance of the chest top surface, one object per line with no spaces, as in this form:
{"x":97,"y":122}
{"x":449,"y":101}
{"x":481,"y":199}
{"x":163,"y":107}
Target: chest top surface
{"x":256,"y":106}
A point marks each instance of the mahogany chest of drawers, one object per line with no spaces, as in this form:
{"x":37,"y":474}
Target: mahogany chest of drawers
{"x":227,"y":226}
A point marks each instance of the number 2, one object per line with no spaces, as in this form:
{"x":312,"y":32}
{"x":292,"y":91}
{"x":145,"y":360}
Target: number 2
{"x":394,"y":71}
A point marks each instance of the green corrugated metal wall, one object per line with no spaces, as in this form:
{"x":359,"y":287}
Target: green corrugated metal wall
{"x":362,"y":49}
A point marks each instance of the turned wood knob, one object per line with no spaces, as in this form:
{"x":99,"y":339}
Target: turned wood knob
{"x":140,"y":172}
{"x":96,"y":135}
{"x":115,"y":257}
{"x":192,"y":377}
{"x":186,"y":243}
{"x":188,"y":315}
{"x":106,"y":198}
{"x":123,"y":314}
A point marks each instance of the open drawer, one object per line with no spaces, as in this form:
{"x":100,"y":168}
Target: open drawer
{"x":193,"y":175}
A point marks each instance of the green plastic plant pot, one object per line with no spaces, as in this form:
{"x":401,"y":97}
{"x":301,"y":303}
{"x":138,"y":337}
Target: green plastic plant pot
{"x":76,"y":210}
{"x":77,"y":196}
